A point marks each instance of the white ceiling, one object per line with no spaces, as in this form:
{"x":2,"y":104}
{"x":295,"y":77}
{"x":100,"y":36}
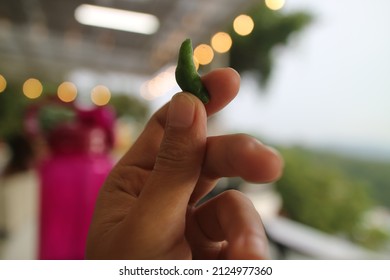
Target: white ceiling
{"x":42,"y":37}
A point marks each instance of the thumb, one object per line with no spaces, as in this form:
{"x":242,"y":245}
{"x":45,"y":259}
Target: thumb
{"x":179,"y":160}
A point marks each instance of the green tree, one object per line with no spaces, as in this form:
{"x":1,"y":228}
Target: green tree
{"x":253,"y":53}
{"x":324,"y":197}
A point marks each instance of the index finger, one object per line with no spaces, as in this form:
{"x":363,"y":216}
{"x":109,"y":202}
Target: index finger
{"x":223,"y":85}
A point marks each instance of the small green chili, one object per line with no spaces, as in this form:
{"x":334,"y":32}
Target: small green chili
{"x":186,"y":75}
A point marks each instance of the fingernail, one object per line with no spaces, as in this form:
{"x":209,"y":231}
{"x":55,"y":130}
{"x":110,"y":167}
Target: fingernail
{"x":181,"y":111}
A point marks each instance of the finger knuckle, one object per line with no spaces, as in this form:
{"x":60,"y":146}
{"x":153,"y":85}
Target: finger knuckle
{"x":173,"y":154}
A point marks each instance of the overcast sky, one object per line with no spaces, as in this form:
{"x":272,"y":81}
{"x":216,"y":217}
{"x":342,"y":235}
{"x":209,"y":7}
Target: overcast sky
{"x":331,"y":86}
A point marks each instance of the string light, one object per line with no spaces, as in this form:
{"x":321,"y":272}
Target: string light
{"x":196,"y":62}
{"x":67,"y":92}
{"x":275,"y":4}
{"x":100,"y":95}
{"x":3,"y":83}
{"x":204,"y":54}
{"x":32,"y":88}
{"x":243,"y":25}
{"x":221,"y":42}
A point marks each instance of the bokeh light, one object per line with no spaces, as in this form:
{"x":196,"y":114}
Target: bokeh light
{"x":32,"y":88}
{"x":145,"y":91}
{"x":243,"y":25}
{"x":159,"y":85}
{"x":275,"y":4}
{"x":221,"y":42}
{"x":196,"y":62}
{"x":67,"y":92}
{"x":100,"y":95}
{"x":204,"y":54}
{"x":3,"y":83}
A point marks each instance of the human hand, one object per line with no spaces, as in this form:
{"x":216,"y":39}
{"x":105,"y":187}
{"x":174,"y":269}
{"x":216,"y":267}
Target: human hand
{"x":147,"y":208}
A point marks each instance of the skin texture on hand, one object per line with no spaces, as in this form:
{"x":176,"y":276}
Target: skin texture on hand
{"x":147,"y":208}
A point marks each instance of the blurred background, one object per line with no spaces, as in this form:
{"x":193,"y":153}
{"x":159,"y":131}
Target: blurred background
{"x":79,"y":79}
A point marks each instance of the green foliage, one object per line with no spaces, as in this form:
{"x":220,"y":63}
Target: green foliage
{"x":375,"y":172}
{"x":372,"y":238}
{"x":12,"y":107}
{"x":253,"y":53}
{"x":53,"y":115}
{"x":128,"y":106}
{"x":318,"y":192}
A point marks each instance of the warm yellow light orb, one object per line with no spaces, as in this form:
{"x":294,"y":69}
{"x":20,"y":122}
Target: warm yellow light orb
{"x":67,"y":92}
{"x":204,"y":54}
{"x":275,"y":4}
{"x":32,"y":88}
{"x":196,"y":62}
{"x":100,"y":95}
{"x":3,"y":83}
{"x":221,"y":42}
{"x":243,"y":25}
